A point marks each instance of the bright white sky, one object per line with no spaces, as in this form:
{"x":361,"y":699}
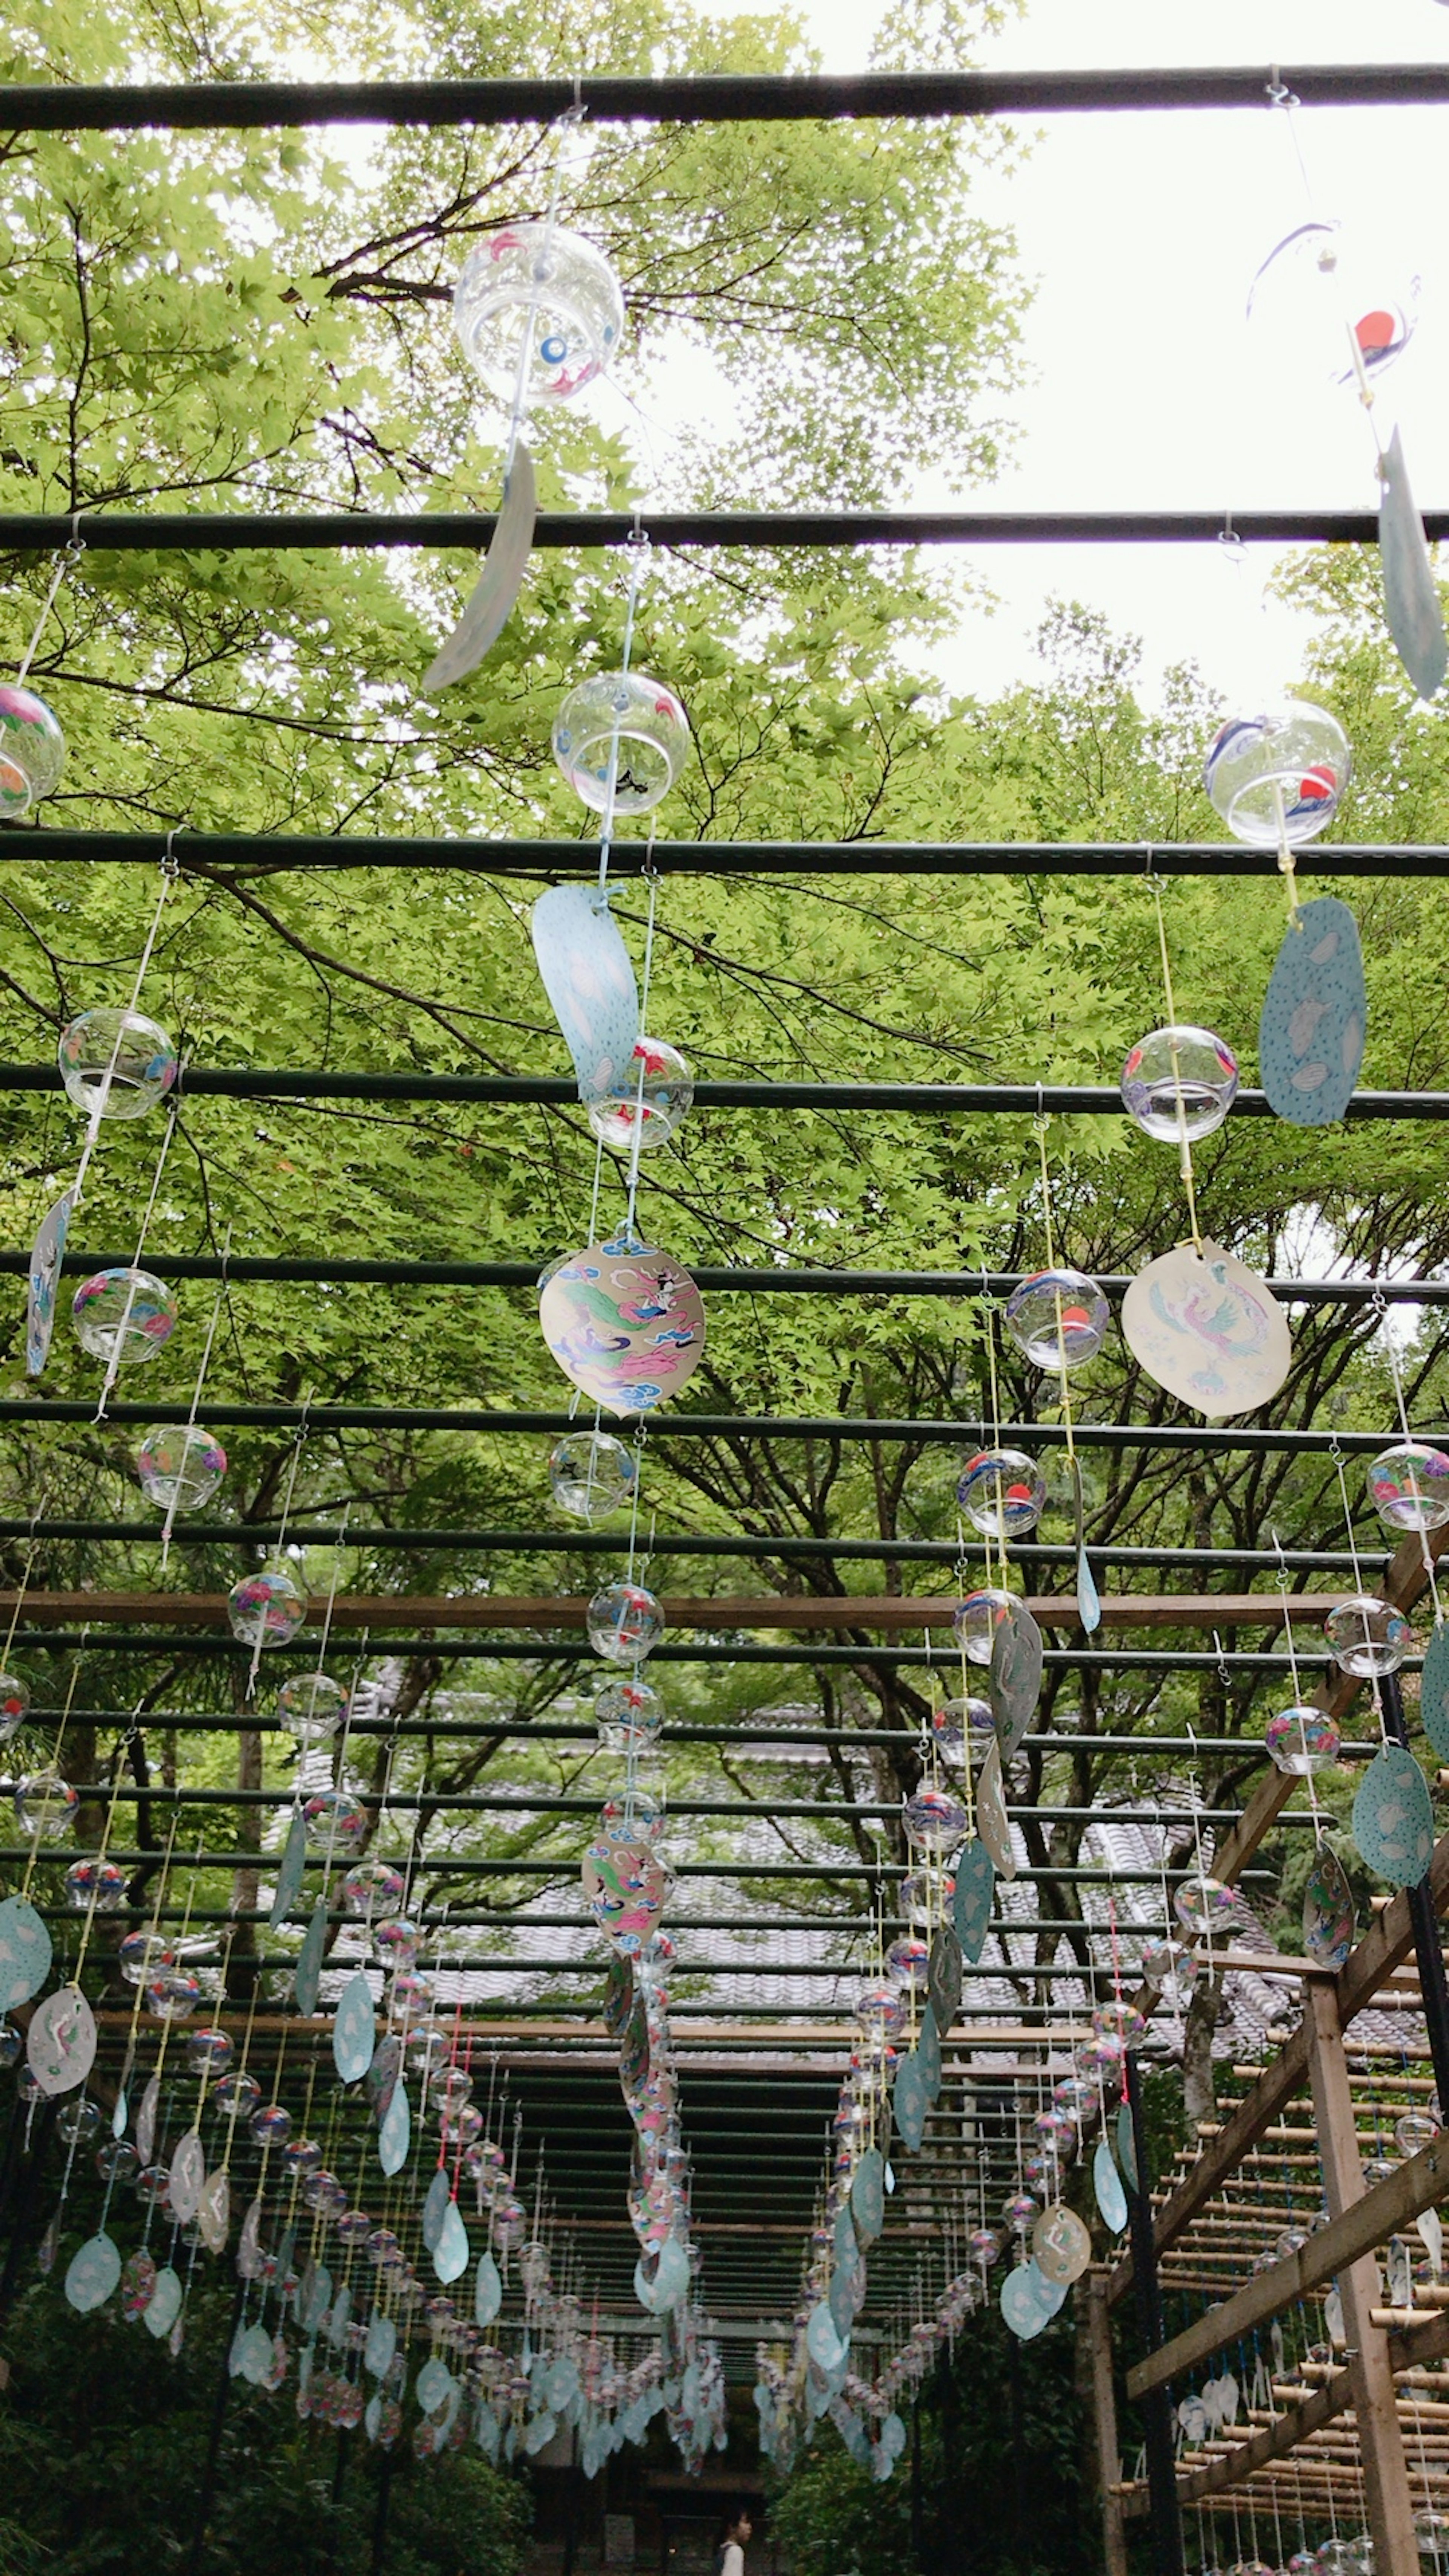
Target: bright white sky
{"x":1144,"y":232}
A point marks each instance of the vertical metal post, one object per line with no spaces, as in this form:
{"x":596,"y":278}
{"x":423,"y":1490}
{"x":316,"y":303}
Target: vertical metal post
{"x":1167,"y":2557}
{"x":1104,"y":2415}
{"x":1380,"y":2435}
{"x":1425,"y":1922}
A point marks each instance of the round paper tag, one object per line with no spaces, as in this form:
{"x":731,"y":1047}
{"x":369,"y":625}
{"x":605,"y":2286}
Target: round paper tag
{"x":1205,"y":1327}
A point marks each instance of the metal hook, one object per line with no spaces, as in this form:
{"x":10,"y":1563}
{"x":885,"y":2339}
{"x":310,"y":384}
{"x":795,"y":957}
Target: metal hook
{"x":1230,"y":541}
{"x":170,"y":864}
{"x":1278,"y":93}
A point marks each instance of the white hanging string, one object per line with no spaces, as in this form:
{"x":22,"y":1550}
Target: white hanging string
{"x":171,"y":1509}
{"x":65,"y":562}
{"x":1426,"y":1553}
{"x":169,"y":873}
{"x":1371,"y":1677}
{"x":123,"y":1327}
{"x":1283,"y":1580}
{"x":297,"y":1446}
{"x":638,"y":551}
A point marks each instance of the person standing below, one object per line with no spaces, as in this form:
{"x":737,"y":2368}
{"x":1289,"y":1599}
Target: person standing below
{"x":729,"y":2558}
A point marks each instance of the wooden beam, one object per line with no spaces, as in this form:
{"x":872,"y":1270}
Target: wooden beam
{"x":1274,"y":2443}
{"x":1376,"y":2413}
{"x":1104,"y":2420}
{"x":1352,"y":2232}
{"x":1403,"y":1585}
{"x":886,"y":1611}
{"x":1388,"y":1940}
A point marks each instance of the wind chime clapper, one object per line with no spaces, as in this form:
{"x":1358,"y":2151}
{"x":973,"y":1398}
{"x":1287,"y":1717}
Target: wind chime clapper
{"x":539,"y":315}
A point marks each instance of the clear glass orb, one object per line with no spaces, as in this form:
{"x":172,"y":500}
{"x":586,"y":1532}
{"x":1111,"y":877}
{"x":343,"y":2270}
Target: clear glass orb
{"x":271,"y":2125}
{"x":1002,"y":1492}
{"x":98,"y":1883}
{"x":173,"y":1995}
{"x":1054,"y":2128}
{"x":449,"y":2087}
{"x":1414,"y":2130}
{"x":1058,"y":1318}
{"x":1179,"y":1082}
{"x":629,"y":1715}
{"x":1204,"y":1905}
{"x":179,"y":1467}
{"x":397,"y":1942}
{"x":412,"y":1999}
{"x":311,"y":1707}
{"x":12,"y":2044}
{"x":373,"y":1887}
{"x":908,"y":1960}
{"x":143,"y":1955}
{"x":44,"y":1805}
{"x":117,"y":2161}
{"x":14,"y":1705}
{"x":959,"y":1722}
{"x":32,"y":751}
{"x":977,"y":1619}
{"x":1431,"y":2535}
{"x":1367,"y":1636}
{"x":334,"y":1820}
{"x":1301,"y":1740}
{"x":134,"y":1052}
{"x":1408,"y":1486}
{"x":654,"y":1093}
{"x":461,"y":2126}
{"x":237,"y":2094}
{"x":624,"y":1622}
{"x":880,"y":2009}
{"x":1102,"y":2054}
{"x":621,"y":726}
{"x":78,"y":2120}
{"x":1157,"y":1962}
{"x":266,"y":1608}
{"x":1120,"y":2022}
{"x":1325,"y":304}
{"x":1284,"y":772}
{"x":210,"y":2048}
{"x":933,"y":1819}
{"x":1019,"y":2210}
{"x":550,"y":287}
{"x":125,"y":1313}
{"x":927,"y":1892}
{"x":591,"y":1475}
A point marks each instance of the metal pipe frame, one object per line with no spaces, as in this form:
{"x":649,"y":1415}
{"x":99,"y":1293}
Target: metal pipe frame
{"x":576,"y":1650}
{"x":560,"y":1731}
{"x":219,"y":1412}
{"x":431,"y":1802}
{"x":726,"y":1279}
{"x":704,"y":98}
{"x":208,"y":852}
{"x":554,"y":1542}
{"x":462,"y":1865}
{"x":919,"y":1099}
{"x":777,"y":531}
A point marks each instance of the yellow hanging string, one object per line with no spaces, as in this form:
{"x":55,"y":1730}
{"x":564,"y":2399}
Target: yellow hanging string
{"x":1046,"y":1195}
{"x":1184,"y":1147}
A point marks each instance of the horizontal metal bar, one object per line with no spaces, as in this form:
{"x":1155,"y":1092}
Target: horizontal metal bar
{"x":513,"y":1650}
{"x":508,"y":1802}
{"x":247,"y":531}
{"x":551,"y":1730}
{"x":774,"y":1280}
{"x":920,"y":1099}
{"x":604,"y":1542}
{"x":209,"y":851}
{"x":218,"y":1412}
{"x":460,"y":1865}
{"x":701,"y":98}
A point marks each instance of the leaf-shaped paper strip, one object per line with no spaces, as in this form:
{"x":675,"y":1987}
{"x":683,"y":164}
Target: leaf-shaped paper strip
{"x":93,"y":2273}
{"x":354,"y":2029}
{"x":60,"y":2045}
{"x":450,"y":2254}
{"x":1314,"y":1018}
{"x":381,"y":2345}
{"x":589,"y":981}
{"x":1014,"y":1679}
{"x":1328,"y":1911}
{"x":307,"y":1975}
{"x":146,"y":2119}
{"x":928,"y":2054}
{"x":1127,"y":2146}
{"x":1393,"y":1822}
{"x":290,"y":1871}
{"x":867,"y":2196}
{"x":395,"y":2136}
{"x":188,"y":2173}
{"x":909,"y":2097}
{"x":487,"y":2291}
{"x":991,"y":1822}
{"x":1107,"y":2186}
{"x":975,"y":1894}
{"x":46,"y":1255}
{"x":435,"y":2208}
{"x":490,"y":603}
{"x":1411,"y":594}
{"x":165,"y":2305}
{"x":943,"y":1980}
{"x":26,"y":1951}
